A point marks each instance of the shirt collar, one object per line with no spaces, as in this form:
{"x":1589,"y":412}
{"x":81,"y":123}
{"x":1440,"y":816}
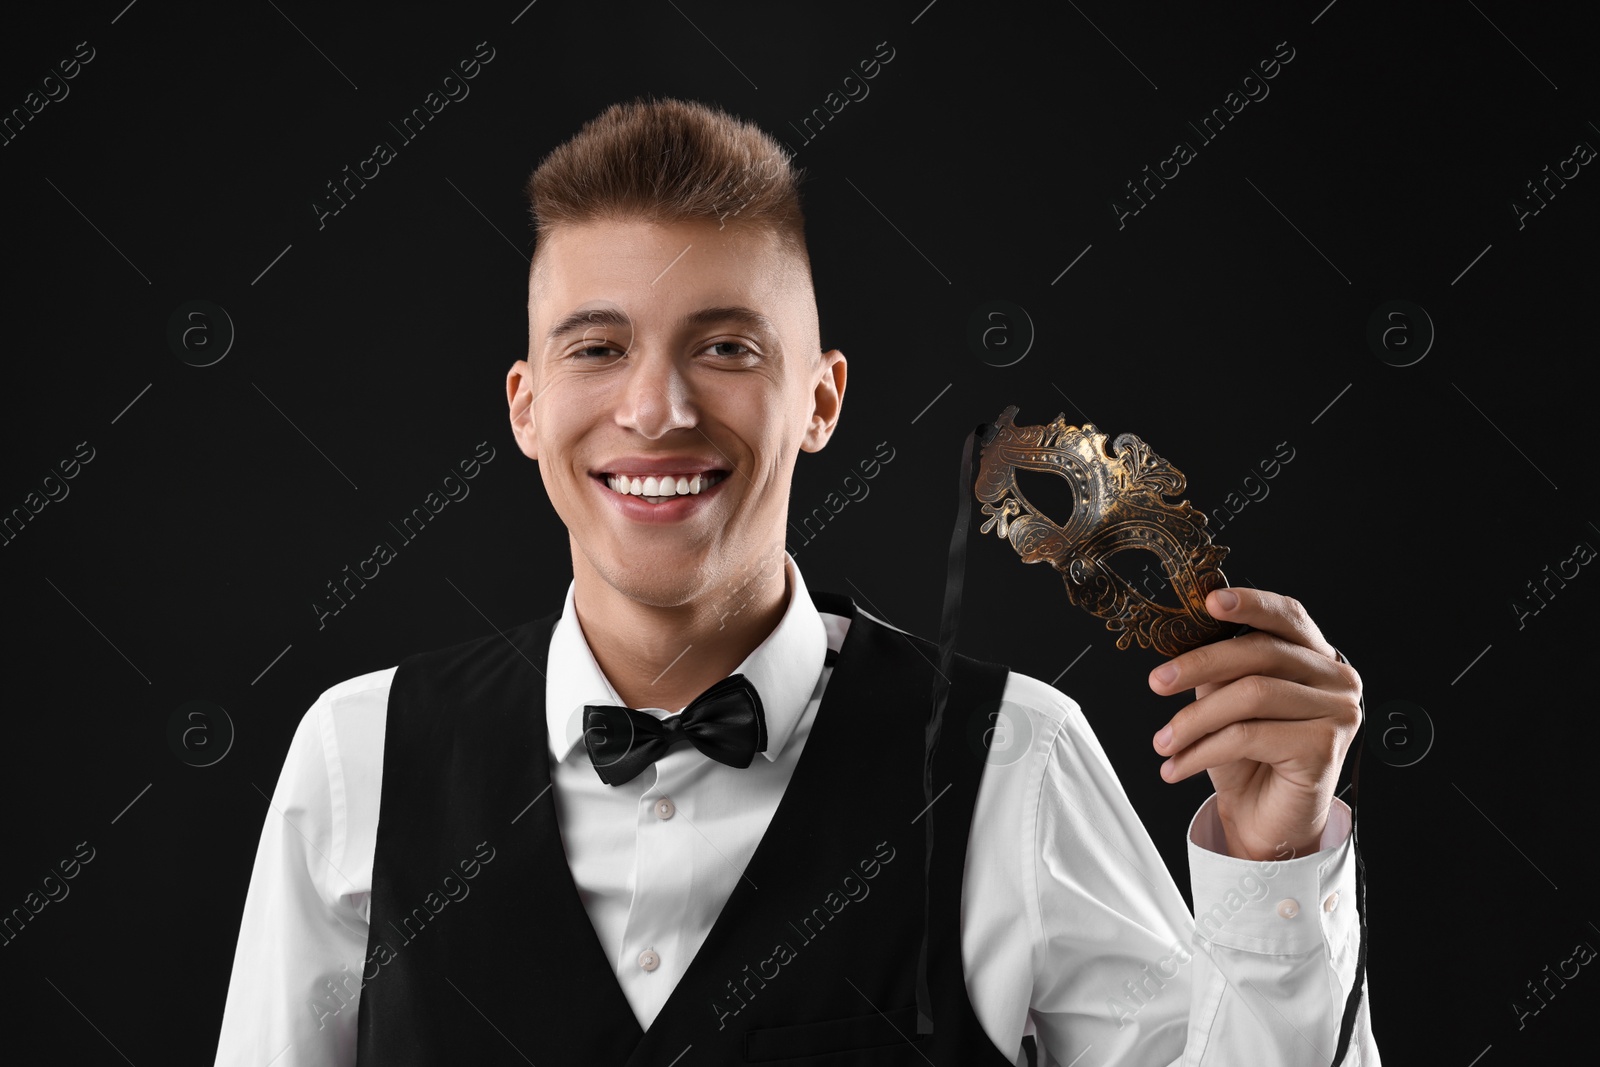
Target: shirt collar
{"x":784,"y":668}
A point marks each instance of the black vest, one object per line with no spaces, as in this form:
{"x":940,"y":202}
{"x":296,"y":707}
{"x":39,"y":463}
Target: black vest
{"x":480,"y":950}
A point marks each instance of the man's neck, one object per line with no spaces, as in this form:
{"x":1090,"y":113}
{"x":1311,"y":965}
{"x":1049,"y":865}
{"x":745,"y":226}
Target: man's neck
{"x":664,"y":657}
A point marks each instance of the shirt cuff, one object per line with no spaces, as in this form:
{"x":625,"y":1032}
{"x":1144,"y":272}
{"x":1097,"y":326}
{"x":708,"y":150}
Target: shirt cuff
{"x":1276,"y":907}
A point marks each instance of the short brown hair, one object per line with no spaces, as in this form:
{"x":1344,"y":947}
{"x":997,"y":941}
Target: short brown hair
{"x":669,"y":161}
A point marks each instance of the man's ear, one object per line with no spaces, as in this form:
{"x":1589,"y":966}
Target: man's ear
{"x":827,"y":398}
{"x":519,"y":396}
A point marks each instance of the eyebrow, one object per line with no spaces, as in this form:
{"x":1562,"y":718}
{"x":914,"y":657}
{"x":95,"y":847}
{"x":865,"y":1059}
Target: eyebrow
{"x":747,"y":317}
{"x":579,"y":320}
{"x":614,"y":319}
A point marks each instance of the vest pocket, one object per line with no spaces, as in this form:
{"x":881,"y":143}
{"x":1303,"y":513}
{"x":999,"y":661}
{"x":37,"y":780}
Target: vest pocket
{"x":895,"y":1027}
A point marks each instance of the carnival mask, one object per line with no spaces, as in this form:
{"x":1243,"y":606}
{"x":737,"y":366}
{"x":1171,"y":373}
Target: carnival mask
{"x":1118,"y":504}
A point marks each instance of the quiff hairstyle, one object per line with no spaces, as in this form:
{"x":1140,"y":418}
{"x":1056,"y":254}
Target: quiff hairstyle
{"x":669,"y":161}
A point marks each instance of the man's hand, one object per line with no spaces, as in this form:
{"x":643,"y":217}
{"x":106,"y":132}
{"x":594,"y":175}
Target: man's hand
{"x":1273,"y":717}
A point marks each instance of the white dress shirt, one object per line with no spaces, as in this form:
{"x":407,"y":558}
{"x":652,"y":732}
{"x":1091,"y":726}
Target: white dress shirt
{"x":1071,"y":926}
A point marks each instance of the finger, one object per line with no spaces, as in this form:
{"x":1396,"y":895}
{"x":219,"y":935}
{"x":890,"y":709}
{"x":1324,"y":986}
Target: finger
{"x":1302,"y":753}
{"x":1252,"y":653}
{"x":1255,"y":697}
{"x":1273,"y":613}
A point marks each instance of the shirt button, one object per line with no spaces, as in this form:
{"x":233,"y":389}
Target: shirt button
{"x":664,"y":808}
{"x":649,"y":960}
{"x":1332,"y":901}
{"x":1288,"y":907}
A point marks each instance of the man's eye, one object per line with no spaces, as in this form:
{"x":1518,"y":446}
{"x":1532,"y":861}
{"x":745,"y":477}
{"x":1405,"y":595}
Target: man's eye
{"x":598,"y":353}
{"x":740,"y":348}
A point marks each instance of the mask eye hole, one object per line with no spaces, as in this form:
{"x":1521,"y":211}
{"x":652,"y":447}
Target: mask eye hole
{"x":1049,"y":494}
{"x":1142,"y":570}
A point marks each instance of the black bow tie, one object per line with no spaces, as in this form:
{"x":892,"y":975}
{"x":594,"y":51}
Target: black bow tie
{"x":726,"y":722}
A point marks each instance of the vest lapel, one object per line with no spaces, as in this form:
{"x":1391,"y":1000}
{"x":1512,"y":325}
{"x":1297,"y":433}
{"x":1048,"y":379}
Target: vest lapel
{"x":516,"y":962}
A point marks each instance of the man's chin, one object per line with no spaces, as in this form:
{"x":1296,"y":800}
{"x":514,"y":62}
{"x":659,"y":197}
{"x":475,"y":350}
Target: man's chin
{"x":659,"y":595}
{"x":661,"y":580}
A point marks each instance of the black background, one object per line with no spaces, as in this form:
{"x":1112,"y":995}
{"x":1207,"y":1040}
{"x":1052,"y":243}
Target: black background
{"x":1228,"y":316}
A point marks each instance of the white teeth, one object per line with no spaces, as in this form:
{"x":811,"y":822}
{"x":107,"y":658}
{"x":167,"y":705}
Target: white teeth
{"x":663,"y":488}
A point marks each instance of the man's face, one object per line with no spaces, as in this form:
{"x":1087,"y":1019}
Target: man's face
{"x":674,"y":351}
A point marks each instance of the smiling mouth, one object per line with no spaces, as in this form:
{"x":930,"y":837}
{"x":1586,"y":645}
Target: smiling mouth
{"x":657,"y":489}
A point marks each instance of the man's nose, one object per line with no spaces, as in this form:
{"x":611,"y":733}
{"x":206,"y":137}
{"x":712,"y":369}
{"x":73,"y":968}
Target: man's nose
{"x":657,"y":395}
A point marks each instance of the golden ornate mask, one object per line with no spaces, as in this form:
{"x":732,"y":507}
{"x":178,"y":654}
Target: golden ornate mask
{"x":1118,"y":504}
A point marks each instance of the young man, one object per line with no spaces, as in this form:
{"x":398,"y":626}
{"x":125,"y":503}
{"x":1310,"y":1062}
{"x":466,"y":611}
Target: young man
{"x":483,"y":855}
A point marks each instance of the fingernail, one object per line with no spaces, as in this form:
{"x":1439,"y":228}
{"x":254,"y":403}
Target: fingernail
{"x":1227,"y":599}
{"x":1166,"y":674}
{"x":1164,"y":737}
{"x":1167,"y":770}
